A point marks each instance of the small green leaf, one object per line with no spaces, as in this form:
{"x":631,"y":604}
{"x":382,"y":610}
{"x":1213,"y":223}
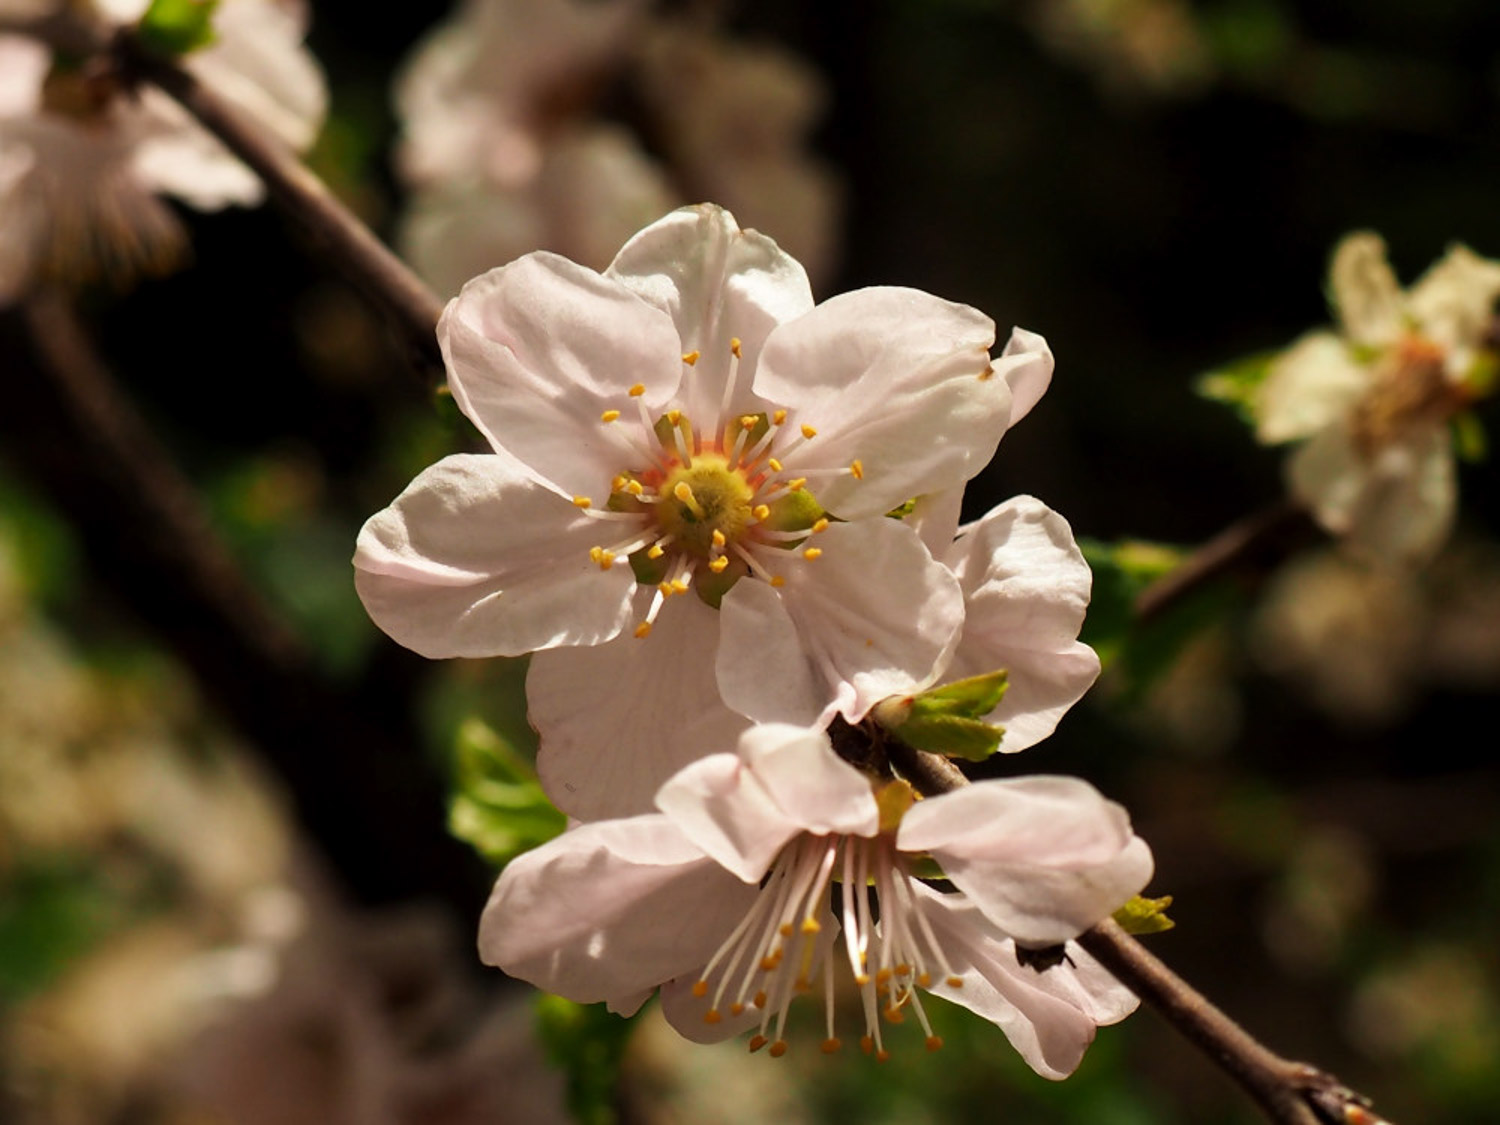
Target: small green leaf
{"x":1469,"y":440}
{"x":498,"y":805}
{"x":1145,"y":915}
{"x":948,"y":719}
{"x":1237,"y":384}
{"x":954,"y":736}
{"x":175,"y":27}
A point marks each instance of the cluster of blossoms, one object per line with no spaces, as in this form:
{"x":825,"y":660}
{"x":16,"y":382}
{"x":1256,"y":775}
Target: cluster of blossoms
{"x":722,"y":517}
{"x":1374,"y":402}
{"x":504,"y":148}
{"x":86,"y":154}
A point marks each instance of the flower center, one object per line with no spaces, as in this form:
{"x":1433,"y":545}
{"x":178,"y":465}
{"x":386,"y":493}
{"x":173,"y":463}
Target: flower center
{"x":705,"y":506}
{"x":786,"y":939}
{"x":1411,"y":389}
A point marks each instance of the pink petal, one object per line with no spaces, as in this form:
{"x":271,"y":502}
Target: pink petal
{"x":539,"y":349}
{"x":722,"y":807}
{"x":896,"y":379}
{"x":609,"y":910}
{"x":1026,"y":366}
{"x":1043,"y":858}
{"x":476,"y":559}
{"x":617,"y":720}
{"x":716,"y":282}
{"x":1026,"y":589}
{"x":815,"y":788}
{"x":874,"y":616}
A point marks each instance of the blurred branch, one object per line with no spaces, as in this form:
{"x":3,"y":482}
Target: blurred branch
{"x":347,"y":754}
{"x":1260,"y":537}
{"x":1290,"y":1093}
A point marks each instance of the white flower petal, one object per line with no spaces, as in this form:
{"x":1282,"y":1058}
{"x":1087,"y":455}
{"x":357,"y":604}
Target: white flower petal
{"x":1314,"y":384}
{"x":1026,"y":589}
{"x":896,"y":379}
{"x":1365,"y":290}
{"x":1043,"y":858}
{"x":476,"y":559}
{"x":1410,"y":500}
{"x":1048,"y":1030}
{"x":875,"y":616}
{"x":935,"y":518}
{"x":617,"y":720}
{"x":539,"y":349}
{"x":815,"y":788}
{"x":724,"y":808}
{"x":717,"y":282}
{"x":1026,"y":366}
{"x":608,"y":911}
{"x":1454,"y":302}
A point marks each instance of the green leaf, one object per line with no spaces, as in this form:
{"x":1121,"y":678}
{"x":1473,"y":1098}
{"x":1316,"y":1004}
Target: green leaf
{"x":948,"y":719}
{"x":1145,"y":915}
{"x":1121,"y":571}
{"x":586,"y":1042}
{"x":175,"y":27}
{"x":498,"y":805}
{"x":1469,"y":440}
{"x":1237,"y":384}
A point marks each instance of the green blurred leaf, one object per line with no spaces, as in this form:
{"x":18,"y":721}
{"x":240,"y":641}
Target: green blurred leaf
{"x":586,"y":1041}
{"x":1469,"y":439}
{"x":498,"y":805}
{"x":1237,"y":384}
{"x":175,"y":27}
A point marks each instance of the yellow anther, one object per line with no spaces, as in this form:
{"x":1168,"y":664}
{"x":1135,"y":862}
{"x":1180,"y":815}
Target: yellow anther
{"x":894,"y":1014}
{"x":638,"y":390}
{"x":719,"y":565}
{"x":775,"y":464}
{"x":954,"y":982}
{"x":718,"y":538}
{"x":796,"y":483}
{"x":606,"y":559}
{"x":596,"y":553}
{"x":610,"y":416}
{"x":820,"y":525}
{"x":862,"y":979}
{"x":643,"y":630}
{"x":768,"y":963}
{"x":813,"y":553}
{"x":830,"y":1046}
{"x":882,"y":1055}
{"x":903,"y":970}
{"x":778,"y":581}
{"x":713,"y":1015}
{"x":582,"y":502}
{"x":761,"y":511}
{"x":811,"y":926}
{"x":736,"y":1008}
{"x":785,"y":929}
{"x":665,"y":587}
{"x":809,"y":432}
{"x":934,"y":1042}
{"x":778,"y":1048}
{"x":757,"y":1042}
{"x":857,"y":467}
{"x":747,"y":421}
{"x":779,"y":417}
{"x":760,"y":999}
{"x":690,"y":358}
{"x":655,"y":551}
{"x":883,"y":976}
{"x":802,"y":984}
{"x":679,"y":586}
{"x":684,"y":494}
{"x":924,"y":979}
{"x":734,"y":345}
{"x":700,"y":988}
{"x":635,"y":488}
{"x":866,"y":1044}
{"x":618,"y":483}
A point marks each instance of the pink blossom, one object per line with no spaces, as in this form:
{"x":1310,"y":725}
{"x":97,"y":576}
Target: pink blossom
{"x":725,"y":901}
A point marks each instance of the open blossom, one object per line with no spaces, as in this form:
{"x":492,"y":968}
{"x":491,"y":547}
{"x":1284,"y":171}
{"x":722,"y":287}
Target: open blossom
{"x":1374,"y":400}
{"x":84,"y":159}
{"x":725,"y":900}
{"x":684,"y":515}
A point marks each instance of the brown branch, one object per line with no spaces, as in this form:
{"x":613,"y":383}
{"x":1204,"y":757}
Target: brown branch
{"x":1290,"y":1093}
{"x":1268,"y":534}
{"x":334,"y":231}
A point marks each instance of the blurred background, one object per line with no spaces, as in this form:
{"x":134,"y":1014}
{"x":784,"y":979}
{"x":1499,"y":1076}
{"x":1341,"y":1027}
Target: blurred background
{"x":229,"y":891}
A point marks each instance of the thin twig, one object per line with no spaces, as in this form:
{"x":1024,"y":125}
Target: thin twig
{"x":1243,"y":542}
{"x":335,"y":232}
{"x":1290,"y":1093}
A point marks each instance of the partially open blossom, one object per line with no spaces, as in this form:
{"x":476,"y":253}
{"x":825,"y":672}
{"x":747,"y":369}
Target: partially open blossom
{"x":84,"y":158}
{"x":1373,"y":401}
{"x":726,"y":899}
{"x":684,"y":515}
